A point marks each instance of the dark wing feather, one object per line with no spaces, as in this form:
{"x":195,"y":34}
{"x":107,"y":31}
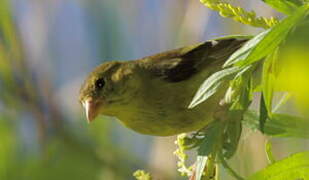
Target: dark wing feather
{"x":181,"y":64}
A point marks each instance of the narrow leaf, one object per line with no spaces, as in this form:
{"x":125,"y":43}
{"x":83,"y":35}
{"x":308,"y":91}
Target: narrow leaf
{"x":232,"y":133}
{"x":245,"y":50}
{"x":263,"y":113}
{"x":275,"y":36}
{"x":243,"y":91}
{"x":268,"y":80}
{"x":287,"y":126}
{"x":211,"y":85}
{"x":267,"y":41}
{"x":284,"y":6}
{"x":279,"y":125}
{"x":200,"y":165}
{"x":211,"y":139}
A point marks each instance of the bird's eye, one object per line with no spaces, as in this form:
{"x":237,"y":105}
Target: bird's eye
{"x":99,"y":84}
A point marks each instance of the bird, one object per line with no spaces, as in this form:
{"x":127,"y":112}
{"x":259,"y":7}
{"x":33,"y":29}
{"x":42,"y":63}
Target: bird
{"x":151,"y":95}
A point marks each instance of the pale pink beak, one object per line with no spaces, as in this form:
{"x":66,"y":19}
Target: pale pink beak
{"x":91,"y":109}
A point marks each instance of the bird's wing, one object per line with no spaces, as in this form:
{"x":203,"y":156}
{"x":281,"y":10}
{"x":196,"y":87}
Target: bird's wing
{"x":181,"y":64}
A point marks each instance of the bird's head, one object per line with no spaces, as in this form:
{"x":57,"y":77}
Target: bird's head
{"x":104,"y":88}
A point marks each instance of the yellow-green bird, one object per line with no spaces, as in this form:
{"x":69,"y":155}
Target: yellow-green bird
{"x":151,"y":95}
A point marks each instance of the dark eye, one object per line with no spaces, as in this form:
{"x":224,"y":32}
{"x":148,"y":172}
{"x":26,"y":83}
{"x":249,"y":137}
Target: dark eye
{"x":99,"y":84}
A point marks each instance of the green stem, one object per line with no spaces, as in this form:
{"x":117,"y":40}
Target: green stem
{"x":269,"y":153}
{"x":229,"y":169}
{"x":210,"y":168}
{"x":217,"y":172}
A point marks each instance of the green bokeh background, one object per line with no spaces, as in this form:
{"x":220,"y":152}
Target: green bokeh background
{"x":46,"y":50}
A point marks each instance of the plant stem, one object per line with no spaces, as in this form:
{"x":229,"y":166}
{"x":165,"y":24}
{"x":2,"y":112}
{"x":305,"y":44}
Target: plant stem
{"x":229,"y":169}
{"x":210,"y":168}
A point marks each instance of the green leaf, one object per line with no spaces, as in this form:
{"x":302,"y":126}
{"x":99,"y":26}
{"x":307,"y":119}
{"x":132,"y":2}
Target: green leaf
{"x":211,"y":139}
{"x":263,"y":113}
{"x":208,"y":146}
{"x":267,"y":41}
{"x":287,"y":126}
{"x":275,"y":36}
{"x":211,"y":85}
{"x":242,"y":87}
{"x":284,"y":6}
{"x":200,"y":165}
{"x":232,"y":133}
{"x":245,"y":50}
{"x":294,"y":167}
{"x":251,"y":120}
{"x":279,"y":125}
{"x":268,"y":80}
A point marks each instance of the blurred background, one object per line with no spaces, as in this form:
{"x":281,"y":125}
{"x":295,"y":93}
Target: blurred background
{"x":46,"y":50}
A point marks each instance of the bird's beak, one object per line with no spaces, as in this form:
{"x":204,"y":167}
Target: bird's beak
{"x":91,"y":108}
